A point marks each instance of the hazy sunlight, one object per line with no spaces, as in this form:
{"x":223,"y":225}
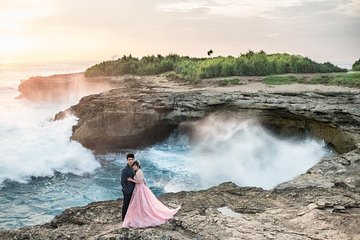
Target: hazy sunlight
{"x":12,"y":44}
{"x":50,"y":31}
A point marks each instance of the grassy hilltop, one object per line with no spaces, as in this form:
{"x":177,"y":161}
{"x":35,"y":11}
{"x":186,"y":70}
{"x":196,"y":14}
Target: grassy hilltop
{"x":248,"y":64}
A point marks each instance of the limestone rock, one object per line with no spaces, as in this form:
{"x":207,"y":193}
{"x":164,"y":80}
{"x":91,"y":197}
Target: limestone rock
{"x":63,"y":87}
{"x":323,"y":203}
{"x":145,"y":110}
{"x":280,"y":214}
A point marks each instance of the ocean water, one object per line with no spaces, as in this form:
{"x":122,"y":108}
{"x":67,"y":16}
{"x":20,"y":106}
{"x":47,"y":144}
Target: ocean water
{"x":42,"y":171}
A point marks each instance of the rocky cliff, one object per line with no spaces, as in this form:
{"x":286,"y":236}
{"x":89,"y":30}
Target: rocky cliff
{"x":323,"y":203}
{"x":145,"y":110}
{"x":63,"y":87}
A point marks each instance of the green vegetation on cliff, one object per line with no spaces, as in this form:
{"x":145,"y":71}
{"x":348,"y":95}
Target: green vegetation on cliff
{"x":192,"y":69}
{"x":356,"y":65}
{"x":343,"y":79}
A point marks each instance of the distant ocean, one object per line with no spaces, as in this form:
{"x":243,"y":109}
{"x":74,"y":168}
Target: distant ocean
{"x":42,"y":172}
{"x":343,"y":65}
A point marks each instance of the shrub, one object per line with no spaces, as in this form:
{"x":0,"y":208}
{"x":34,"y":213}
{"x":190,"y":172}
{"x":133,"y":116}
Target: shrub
{"x":356,"y":65}
{"x":193,"y":69}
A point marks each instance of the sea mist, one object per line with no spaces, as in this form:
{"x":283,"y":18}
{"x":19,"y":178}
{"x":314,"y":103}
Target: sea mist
{"x":231,"y":149}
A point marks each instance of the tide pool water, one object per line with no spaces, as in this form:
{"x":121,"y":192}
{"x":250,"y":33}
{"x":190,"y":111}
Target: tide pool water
{"x":42,"y":171}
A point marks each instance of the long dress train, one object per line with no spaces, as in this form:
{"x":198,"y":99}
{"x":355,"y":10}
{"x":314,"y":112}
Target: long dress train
{"x":145,"y":210}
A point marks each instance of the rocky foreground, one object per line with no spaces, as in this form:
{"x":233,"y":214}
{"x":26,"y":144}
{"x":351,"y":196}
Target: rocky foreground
{"x":226,"y":212}
{"x":323,"y":203}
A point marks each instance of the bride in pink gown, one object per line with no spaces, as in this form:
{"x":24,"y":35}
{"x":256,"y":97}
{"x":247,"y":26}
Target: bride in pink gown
{"x":145,"y":210}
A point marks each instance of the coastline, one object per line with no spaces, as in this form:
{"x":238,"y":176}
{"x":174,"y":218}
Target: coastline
{"x":311,"y":206}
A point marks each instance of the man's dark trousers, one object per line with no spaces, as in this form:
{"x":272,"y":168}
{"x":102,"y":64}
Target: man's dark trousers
{"x":127,"y":188}
{"x":127,"y":198}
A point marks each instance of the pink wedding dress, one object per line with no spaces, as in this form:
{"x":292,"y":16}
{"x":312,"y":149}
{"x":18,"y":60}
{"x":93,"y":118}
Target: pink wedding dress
{"x":145,"y":210}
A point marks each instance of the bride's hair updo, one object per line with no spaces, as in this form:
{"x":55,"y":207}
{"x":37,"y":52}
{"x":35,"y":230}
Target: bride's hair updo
{"x":136,"y":163}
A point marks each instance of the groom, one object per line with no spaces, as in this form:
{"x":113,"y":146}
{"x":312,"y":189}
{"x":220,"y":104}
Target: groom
{"x":127,"y":186}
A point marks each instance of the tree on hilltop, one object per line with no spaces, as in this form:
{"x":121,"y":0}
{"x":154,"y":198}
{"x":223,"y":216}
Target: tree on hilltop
{"x":356,"y":65}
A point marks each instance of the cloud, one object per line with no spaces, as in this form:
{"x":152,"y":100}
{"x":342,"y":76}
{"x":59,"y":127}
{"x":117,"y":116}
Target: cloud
{"x":15,"y":14}
{"x":184,"y":6}
{"x":350,"y":8}
{"x":55,"y":28}
{"x":22,"y":9}
{"x":247,"y":8}
{"x":272,"y":35}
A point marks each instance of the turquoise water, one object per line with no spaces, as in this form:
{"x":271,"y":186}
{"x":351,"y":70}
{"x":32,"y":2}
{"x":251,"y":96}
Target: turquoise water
{"x":42,"y":172}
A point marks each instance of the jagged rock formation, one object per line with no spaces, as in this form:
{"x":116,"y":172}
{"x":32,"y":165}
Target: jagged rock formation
{"x":323,"y":203}
{"x":63,"y":87}
{"x":143,"y":111}
{"x":223,"y":212}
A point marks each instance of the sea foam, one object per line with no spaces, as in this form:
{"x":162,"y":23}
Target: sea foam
{"x":232,"y":149}
{"x":39,"y":149}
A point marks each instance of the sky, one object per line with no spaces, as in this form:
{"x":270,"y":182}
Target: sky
{"x":97,"y":30}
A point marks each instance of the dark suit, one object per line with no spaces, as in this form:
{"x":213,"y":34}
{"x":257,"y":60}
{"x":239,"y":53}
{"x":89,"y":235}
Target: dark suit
{"x":127,"y":188}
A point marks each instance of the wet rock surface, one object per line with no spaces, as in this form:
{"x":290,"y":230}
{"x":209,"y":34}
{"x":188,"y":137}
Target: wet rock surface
{"x":323,"y":203}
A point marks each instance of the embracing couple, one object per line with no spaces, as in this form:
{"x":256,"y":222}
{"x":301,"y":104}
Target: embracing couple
{"x":140,"y":207}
